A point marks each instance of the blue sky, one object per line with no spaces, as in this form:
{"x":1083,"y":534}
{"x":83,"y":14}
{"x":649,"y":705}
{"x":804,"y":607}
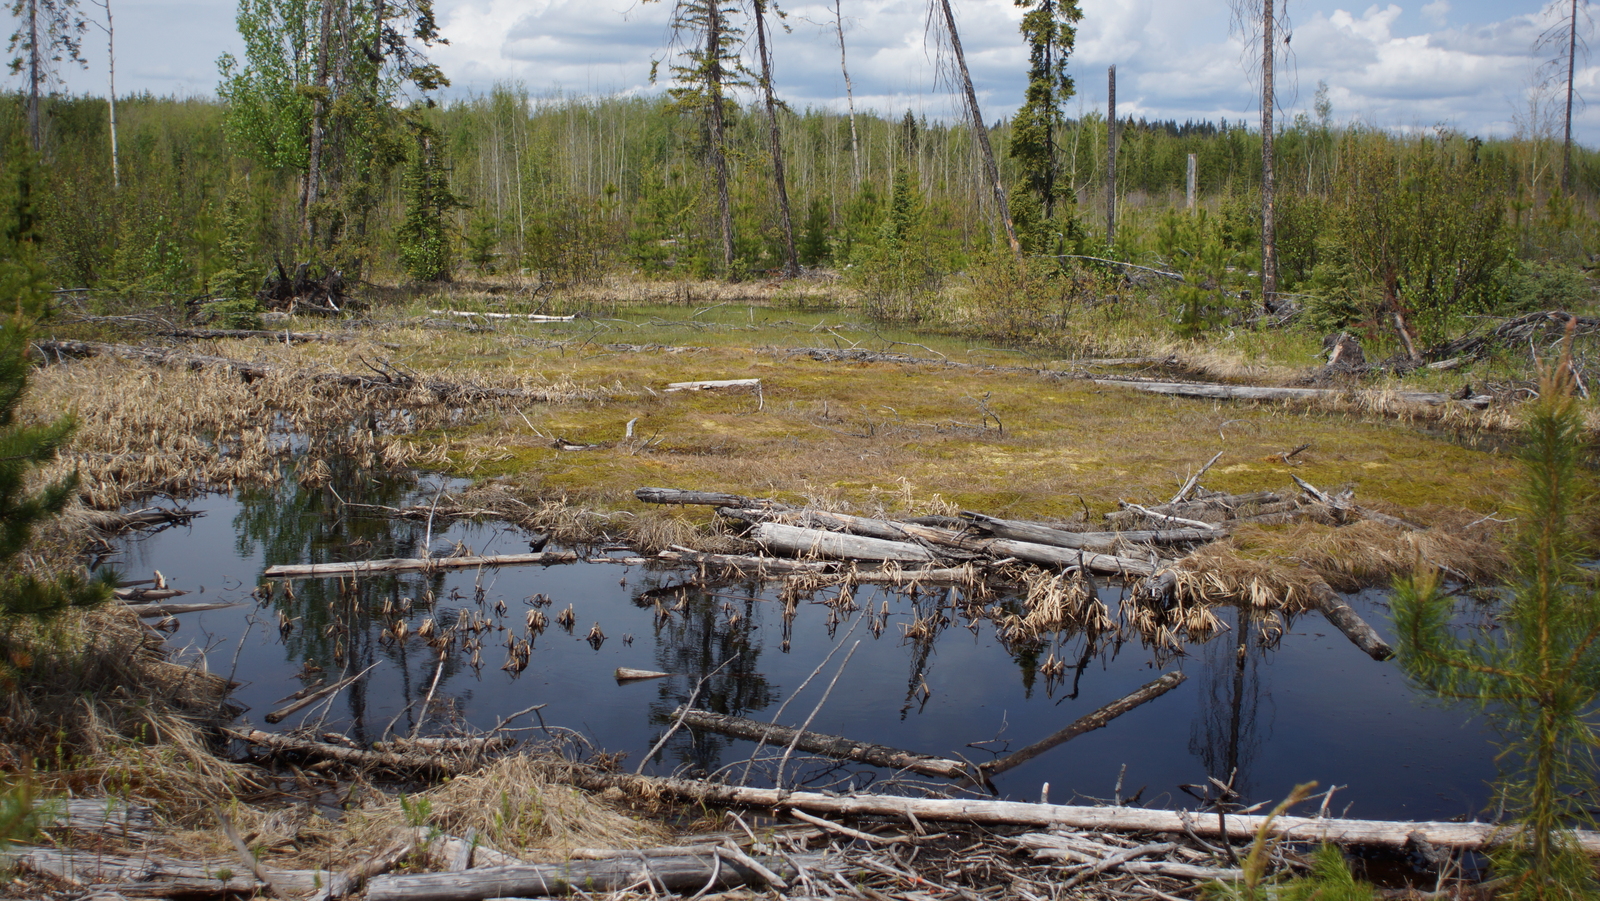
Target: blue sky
{"x":1464,"y":64}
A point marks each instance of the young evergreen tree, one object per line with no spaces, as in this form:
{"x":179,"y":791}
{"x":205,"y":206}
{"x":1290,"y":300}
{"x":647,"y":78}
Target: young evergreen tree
{"x":427,"y":248}
{"x":26,"y":445}
{"x":1539,"y":675}
{"x":1051,"y":29}
{"x":707,"y":69}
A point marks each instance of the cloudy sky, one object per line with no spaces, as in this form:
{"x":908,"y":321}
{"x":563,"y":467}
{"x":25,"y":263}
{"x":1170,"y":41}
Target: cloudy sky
{"x":1466,"y":64}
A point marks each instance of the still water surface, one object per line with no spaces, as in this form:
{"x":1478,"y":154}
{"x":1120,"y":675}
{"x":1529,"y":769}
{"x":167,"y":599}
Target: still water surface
{"x":1311,"y":707}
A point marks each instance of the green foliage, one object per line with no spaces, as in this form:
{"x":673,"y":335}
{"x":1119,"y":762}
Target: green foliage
{"x":1423,"y":227}
{"x":26,"y":445}
{"x":1050,"y":28}
{"x":1538,"y":676}
{"x":1193,"y":246}
{"x":1329,"y":880}
{"x":898,"y":274}
{"x":427,"y":247}
{"x":1546,"y":286}
{"x":239,"y":275}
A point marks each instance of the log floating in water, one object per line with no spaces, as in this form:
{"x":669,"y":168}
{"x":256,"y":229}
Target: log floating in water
{"x":624,"y":674}
{"x":424,"y":564}
{"x":176,"y":609}
{"x":818,"y":542}
{"x":828,"y":745}
{"x":277,"y":716}
{"x":1338,"y":613}
{"x":1086,"y":723}
{"x":802,"y":541}
{"x":784,"y":566}
{"x":147,"y":594}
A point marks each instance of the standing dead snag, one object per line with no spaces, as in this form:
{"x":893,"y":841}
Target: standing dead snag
{"x":979,"y":130}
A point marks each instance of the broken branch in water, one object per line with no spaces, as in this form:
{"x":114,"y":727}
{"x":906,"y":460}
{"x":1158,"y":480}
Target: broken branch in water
{"x":827,"y":745}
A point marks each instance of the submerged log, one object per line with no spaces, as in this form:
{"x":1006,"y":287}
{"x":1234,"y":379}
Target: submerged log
{"x":422,"y":564}
{"x":689,"y":873}
{"x":1086,"y":723}
{"x":833,"y":746}
{"x":1338,"y":613}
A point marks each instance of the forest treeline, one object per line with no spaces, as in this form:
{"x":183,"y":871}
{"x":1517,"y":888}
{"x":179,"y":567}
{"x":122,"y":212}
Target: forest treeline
{"x":570,"y":189}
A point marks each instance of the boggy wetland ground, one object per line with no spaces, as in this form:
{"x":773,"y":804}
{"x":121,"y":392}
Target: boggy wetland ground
{"x":551,"y":426}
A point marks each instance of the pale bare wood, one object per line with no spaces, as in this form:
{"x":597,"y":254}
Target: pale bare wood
{"x":818,"y":743}
{"x":526,"y":317}
{"x":424,"y":564}
{"x":818,"y":542}
{"x":1254,"y":392}
{"x":1087,"y":723}
{"x":688,"y":873}
{"x":714,"y":384}
{"x":702,"y":498}
{"x":150,"y":610}
{"x":1039,"y":533}
{"x":624,"y":674}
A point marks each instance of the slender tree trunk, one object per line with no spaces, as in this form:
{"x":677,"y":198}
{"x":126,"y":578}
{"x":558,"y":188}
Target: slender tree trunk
{"x":111,"y":96}
{"x":1269,"y":238}
{"x":719,"y":160}
{"x":35,"y":76}
{"x":1111,"y":156}
{"x":849,"y":95}
{"x":791,"y":265}
{"x":1566,"y":141}
{"x":1050,"y":122}
{"x":319,"y":124}
{"x":981,"y":130}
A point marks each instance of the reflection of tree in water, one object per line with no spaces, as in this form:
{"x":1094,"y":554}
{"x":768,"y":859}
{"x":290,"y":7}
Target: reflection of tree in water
{"x":334,"y":625}
{"x":1226,"y":736}
{"x":707,"y":628}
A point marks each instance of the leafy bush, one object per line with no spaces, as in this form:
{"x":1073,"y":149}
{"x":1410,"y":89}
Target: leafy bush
{"x":1546,"y":286}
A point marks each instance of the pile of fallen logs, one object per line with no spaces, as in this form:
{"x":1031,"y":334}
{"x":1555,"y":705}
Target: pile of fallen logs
{"x":1142,"y":546}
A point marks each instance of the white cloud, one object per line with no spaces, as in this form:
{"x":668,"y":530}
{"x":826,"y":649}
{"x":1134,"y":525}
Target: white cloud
{"x":1437,"y":12}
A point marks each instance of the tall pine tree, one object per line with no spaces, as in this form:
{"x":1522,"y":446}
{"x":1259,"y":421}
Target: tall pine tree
{"x":1051,"y":29}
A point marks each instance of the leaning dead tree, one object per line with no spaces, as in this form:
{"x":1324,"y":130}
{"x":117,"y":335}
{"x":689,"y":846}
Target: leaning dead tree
{"x":791,"y":260}
{"x":979,"y":130}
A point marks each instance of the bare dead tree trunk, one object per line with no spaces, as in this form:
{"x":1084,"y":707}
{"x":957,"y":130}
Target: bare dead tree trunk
{"x":1269,"y":238}
{"x":982,"y":131}
{"x":35,"y":76}
{"x":1111,"y":156}
{"x":1566,"y":141}
{"x":319,"y":124}
{"x":791,"y":265}
{"x":111,"y":96}
{"x":719,"y":161}
{"x":849,"y":95}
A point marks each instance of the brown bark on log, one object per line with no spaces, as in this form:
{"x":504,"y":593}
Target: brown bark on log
{"x":404,"y":564}
{"x":833,"y":746}
{"x":1086,"y":723}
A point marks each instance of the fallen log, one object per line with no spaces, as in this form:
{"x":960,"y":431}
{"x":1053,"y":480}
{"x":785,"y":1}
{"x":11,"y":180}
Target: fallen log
{"x":314,"y":697}
{"x":833,"y":746}
{"x":819,"y":542}
{"x":359,"y":757}
{"x":1253,"y":392}
{"x":147,"y":594}
{"x":144,"y":610}
{"x":527,"y":317}
{"x":688,"y":873}
{"x":1038,"y":533}
{"x":1054,"y":847}
{"x":422,"y":564}
{"x":1086,"y":723}
{"x":703,"y":498}
{"x":714,"y":384}
{"x":111,"y":816}
{"x":159,"y":877}
{"x":1468,"y":835}
{"x":1341,"y":617}
{"x":783,"y":566}
{"x":284,"y":335}
{"x":113,"y":522}
{"x":624,"y":674}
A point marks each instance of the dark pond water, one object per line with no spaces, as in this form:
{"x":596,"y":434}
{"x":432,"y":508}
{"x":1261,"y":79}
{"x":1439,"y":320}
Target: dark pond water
{"x":1310,"y":707}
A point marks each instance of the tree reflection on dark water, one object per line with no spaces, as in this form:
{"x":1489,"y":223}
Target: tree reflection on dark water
{"x":1226,"y":734}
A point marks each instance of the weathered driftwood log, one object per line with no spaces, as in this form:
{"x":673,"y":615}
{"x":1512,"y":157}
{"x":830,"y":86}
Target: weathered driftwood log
{"x":714,"y":384}
{"x":350,"y":880}
{"x":1038,"y":533}
{"x":1222,"y":507}
{"x":445,"y":850}
{"x":108,"y":815}
{"x":159,"y":877}
{"x":423,"y":564}
{"x":624,"y":674}
{"x":462,"y":745}
{"x":374,"y":760}
{"x":1338,"y":613}
{"x":526,"y":317}
{"x":1342,"y":505}
{"x":818,"y":542}
{"x":833,"y":746}
{"x":784,"y":566}
{"x":1054,"y":847}
{"x":144,"y":610}
{"x":703,"y":499}
{"x":388,"y":382}
{"x":673,"y":874}
{"x":314,"y":697}
{"x":1087,"y":723}
{"x":1252,"y":392}
{"x":113,"y":522}
{"x":147,"y":594}
{"x":1049,"y":816}
{"x":270,"y":334}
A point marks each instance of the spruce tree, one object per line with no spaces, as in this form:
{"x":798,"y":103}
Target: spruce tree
{"x":1051,"y":29}
{"x":25,"y":445}
{"x":1539,"y":675}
